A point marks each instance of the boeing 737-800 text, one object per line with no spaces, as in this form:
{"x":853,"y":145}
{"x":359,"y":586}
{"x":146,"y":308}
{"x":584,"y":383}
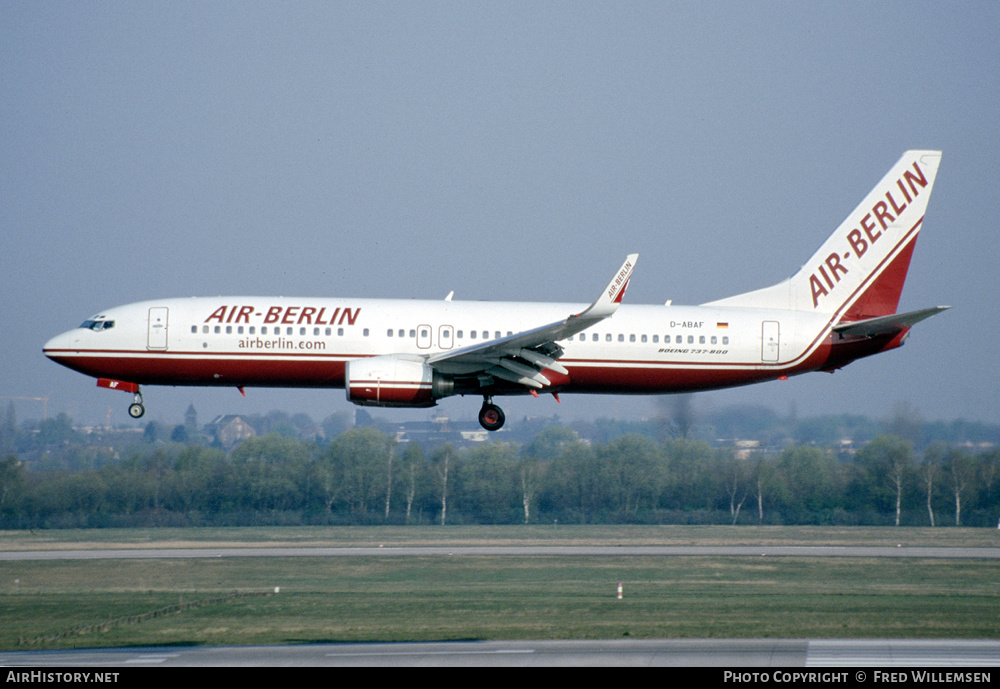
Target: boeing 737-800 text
{"x":839,"y":307}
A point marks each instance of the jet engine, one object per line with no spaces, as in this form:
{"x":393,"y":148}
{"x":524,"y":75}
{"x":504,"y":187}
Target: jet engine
{"x":389,"y":381}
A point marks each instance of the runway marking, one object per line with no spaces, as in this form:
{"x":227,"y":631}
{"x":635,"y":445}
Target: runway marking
{"x":431,"y":653}
{"x":902,"y":654}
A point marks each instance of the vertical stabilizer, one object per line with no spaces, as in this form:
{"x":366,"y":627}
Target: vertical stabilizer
{"x":859,"y":271}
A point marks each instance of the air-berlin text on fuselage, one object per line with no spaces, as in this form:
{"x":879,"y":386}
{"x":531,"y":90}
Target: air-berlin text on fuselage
{"x":827,"y":275}
{"x":288,"y":315}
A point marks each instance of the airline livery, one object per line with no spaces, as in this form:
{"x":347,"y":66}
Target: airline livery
{"x":840,"y":306}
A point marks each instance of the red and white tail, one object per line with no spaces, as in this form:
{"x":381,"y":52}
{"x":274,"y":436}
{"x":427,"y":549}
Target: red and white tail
{"x":859,"y":271}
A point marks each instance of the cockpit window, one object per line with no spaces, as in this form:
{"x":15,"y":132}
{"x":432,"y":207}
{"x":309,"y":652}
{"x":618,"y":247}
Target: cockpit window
{"x":98,"y":326}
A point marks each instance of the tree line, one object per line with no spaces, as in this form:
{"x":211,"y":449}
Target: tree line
{"x":363,"y":476}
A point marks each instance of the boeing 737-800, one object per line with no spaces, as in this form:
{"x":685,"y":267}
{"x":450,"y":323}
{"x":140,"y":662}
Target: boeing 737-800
{"x":839,"y":307}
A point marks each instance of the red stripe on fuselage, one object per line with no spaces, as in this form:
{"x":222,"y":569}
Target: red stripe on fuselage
{"x":327,"y":371}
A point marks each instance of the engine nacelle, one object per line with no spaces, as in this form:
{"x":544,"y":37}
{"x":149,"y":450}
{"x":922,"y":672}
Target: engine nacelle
{"x":388,"y":381}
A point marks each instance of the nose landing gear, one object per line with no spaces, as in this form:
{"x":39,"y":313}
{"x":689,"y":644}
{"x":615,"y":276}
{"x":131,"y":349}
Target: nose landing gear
{"x":136,"y":410}
{"x":491,"y":417}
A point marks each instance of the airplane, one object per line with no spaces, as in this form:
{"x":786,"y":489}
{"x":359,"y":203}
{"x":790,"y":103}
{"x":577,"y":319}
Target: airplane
{"x":839,"y":307}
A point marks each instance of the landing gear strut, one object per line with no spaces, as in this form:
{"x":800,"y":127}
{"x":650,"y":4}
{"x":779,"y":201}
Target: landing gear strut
{"x":491,"y":417}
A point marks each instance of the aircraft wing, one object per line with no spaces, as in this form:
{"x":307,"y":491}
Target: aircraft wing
{"x":886,"y":325}
{"x":521,"y":357}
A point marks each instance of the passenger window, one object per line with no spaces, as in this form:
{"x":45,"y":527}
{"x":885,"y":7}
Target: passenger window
{"x":701,"y":339}
{"x":631,"y":338}
{"x":218,"y":329}
{"x":656,"y":338}
{"x":595,"y":337}
{"x":340,"y":332}
{"x":714,"y":339}
{"x":194,"y":329}
{"x":389,"y":332}
{"x":229,"y":330}
{"x":365,"y":332}
{"x":725,"y":340}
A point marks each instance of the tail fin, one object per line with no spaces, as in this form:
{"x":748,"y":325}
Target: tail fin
{"x":859,"y":271}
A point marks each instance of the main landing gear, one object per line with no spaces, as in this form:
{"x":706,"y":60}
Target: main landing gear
{"x":491,"y":417}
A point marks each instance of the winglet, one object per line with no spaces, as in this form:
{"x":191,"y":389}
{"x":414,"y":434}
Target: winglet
{"x":538,"y":345}
{"x":608,"y":302}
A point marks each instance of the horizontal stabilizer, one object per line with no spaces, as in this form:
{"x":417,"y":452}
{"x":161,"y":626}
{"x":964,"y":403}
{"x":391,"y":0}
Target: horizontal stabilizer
{"x":886,"y":325}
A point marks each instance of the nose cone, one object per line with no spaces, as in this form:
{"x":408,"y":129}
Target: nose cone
{"x":61,"y":345}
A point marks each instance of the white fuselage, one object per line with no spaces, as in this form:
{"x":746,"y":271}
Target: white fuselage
{"x":268,"y":341}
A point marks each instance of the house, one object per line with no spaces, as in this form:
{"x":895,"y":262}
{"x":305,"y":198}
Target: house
{"x":230,"y":430}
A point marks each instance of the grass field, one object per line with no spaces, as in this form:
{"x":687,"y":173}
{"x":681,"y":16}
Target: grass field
{"x":88,"y":603}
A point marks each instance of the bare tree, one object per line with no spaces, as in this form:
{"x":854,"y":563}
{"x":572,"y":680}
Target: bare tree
{"x":761,"y":474}
{"x":388,"y":480}
{"x":531,"y":471}
{"x":442,"y":464}
{"x":898,"y":472}
{"x":735,"y":484}
{"x":928,"y":472}
{"x":959,"y":473}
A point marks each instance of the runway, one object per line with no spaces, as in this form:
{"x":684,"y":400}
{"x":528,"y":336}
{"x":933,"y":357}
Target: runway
{"x":735,"y":654}
{"x":506,"y":551}
{"x":719,"y":653}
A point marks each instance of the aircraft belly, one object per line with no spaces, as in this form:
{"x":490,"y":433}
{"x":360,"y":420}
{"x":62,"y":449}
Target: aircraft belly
{"x":167,"y":369}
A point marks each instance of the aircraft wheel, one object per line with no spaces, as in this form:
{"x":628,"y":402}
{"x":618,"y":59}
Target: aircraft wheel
{"x":136,"y":410}
{"x":491,"y":417}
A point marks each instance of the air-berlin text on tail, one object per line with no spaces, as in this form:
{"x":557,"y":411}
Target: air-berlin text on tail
{"x":868,"y":230}
{"x":288,"y":315}
{"x":617,"y":286}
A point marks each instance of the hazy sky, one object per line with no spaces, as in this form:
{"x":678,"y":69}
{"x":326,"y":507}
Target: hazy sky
{"x":503,"y":150}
